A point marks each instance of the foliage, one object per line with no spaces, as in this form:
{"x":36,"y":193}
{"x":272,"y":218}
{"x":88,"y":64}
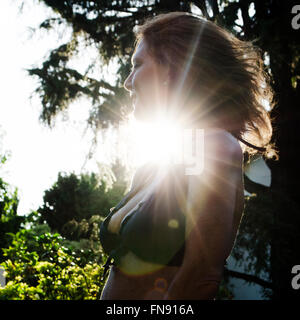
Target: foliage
{"x":225,"y":291}
{"x":9,"y":220}
{"x":85,"y":238}
{"x":85,"y":229}
{"x":39,"y":266}
{"x":73,"y":200}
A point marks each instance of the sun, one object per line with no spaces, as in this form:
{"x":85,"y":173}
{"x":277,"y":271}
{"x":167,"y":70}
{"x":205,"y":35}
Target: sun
{"x":157,"y":142}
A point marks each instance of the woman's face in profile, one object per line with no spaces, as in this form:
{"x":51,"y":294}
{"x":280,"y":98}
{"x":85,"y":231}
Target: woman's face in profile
{"x":147,"y":84}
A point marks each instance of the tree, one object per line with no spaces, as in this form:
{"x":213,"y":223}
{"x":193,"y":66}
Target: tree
{"x":77,"y":197}
{"x":271,"y":26}
{"x":10,"y":222}
{"x":108,"y":26}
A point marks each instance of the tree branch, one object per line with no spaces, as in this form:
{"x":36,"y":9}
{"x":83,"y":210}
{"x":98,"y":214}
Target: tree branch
{"x":215,"y":8}
{"x":249,"y":278}
{"x":244,"y":5}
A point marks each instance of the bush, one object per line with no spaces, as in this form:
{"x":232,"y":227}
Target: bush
{"x":9,"y":220}
{"x":39,"y":266}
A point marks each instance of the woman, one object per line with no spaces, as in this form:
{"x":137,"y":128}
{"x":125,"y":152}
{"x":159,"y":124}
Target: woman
{"x":171,"y":234}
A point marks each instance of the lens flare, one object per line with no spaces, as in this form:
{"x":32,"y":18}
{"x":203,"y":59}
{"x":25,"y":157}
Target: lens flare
{"x":158,"y":141}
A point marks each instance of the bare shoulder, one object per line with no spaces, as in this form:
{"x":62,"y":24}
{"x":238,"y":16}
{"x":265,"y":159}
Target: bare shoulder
{"x":223,"y":162}
{"x":224,"y":141}
{"x":221,"y":147}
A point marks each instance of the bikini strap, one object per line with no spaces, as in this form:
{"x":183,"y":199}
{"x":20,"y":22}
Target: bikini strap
{"x":262,"y":149}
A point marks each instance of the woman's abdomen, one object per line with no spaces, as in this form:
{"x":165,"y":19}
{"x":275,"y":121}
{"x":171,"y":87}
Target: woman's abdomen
{"x":124,"y":285}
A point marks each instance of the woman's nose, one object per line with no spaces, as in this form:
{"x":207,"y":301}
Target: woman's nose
{"x":127,"y":83}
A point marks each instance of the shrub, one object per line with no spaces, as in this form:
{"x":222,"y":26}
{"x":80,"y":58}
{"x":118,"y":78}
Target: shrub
{"x":39,"y":266}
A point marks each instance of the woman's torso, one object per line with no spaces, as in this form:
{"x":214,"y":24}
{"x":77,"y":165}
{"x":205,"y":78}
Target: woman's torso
{"x":136,"y":279}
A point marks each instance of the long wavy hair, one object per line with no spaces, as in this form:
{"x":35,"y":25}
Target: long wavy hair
{"x":223,"y":76}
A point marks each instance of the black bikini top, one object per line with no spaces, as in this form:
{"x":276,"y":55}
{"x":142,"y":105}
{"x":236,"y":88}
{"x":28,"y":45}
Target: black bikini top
{"x":155,"y":231}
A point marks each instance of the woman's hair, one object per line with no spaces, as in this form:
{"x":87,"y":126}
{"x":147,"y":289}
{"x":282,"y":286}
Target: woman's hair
{"x":222,"y":73}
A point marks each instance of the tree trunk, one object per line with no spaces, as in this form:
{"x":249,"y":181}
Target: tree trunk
{"x":285,"y":172}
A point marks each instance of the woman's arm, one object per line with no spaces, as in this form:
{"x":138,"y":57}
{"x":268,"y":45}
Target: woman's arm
{"x":210,"y":215}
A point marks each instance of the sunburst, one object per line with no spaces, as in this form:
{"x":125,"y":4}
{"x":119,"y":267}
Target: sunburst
{"x":158,"y":141}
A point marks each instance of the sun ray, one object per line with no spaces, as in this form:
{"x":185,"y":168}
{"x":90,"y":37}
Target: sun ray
{"x":157,"y":142}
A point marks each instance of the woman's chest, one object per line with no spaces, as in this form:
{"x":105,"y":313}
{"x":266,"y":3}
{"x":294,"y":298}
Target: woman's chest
{"x":116,"y":219}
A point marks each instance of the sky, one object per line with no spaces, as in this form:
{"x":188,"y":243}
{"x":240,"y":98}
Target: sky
{"x":38,"y":153}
